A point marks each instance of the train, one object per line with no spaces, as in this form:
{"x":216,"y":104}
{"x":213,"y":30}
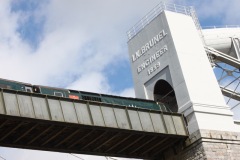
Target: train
{"x":83,"y":95}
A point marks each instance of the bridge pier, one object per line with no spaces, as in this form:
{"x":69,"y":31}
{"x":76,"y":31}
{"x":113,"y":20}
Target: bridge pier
{"x":182,"y":77}
{"x":207,"y":144}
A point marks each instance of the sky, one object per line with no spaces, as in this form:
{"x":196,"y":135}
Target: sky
{"x":81,"y":45}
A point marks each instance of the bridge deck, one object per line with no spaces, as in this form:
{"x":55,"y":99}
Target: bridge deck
{"x":49,"y":123}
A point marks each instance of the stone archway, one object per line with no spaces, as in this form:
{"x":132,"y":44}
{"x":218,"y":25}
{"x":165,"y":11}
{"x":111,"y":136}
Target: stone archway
{"x":164,"y":93}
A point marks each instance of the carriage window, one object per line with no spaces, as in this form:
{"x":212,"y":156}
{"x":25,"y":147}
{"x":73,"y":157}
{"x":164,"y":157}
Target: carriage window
{"x":28,"y":89}
{"x":88,"y":98}
{"x":5,"y":86}
{"x":36,"y":89}
{"x":59,"y":94}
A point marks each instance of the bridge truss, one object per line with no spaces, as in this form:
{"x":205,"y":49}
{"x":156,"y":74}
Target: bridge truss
{"x":227,"y":71}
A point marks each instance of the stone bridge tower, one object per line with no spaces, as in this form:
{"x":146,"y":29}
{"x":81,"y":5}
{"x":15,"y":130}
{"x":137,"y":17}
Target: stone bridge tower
{"x":169,"y":64}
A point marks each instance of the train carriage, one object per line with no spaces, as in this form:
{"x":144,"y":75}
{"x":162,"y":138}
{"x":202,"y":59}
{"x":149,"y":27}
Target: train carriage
{"x":83,"y":95}
{"x":131,"y":102}
{"x":53,"y":91}
{"x":15,"y":85}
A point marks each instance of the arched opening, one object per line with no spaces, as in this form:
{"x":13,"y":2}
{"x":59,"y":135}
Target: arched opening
{"x":164,"y":93}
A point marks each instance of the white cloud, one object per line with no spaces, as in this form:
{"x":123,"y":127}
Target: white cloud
{"x":223,"y":12}
{"x":79,"y":41}
{"x":23,"y":154}
{"x":85,"y":83}
{"x":128,"y":92}
{"x":77,"y":38}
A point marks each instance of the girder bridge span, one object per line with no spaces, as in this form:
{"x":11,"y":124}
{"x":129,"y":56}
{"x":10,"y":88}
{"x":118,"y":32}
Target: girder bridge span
{"x":35,"y":121}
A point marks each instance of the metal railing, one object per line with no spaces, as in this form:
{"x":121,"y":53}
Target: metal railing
{"x":221,"y":26}
{"x":156,"y":11}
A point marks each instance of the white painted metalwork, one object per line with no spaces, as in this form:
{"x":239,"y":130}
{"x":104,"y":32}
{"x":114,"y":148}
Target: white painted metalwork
{"x":236,"y":46}
{"x":227,"y":73}
{"x":222,"y":46}
{"x":156,"y":11}
{"x":220,"y":56}
{"x":230,"y":93}
{"x":222,"y":26}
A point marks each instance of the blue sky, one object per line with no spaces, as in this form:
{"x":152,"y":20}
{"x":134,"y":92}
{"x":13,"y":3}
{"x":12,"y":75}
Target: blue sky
{"x":81,"y":44}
